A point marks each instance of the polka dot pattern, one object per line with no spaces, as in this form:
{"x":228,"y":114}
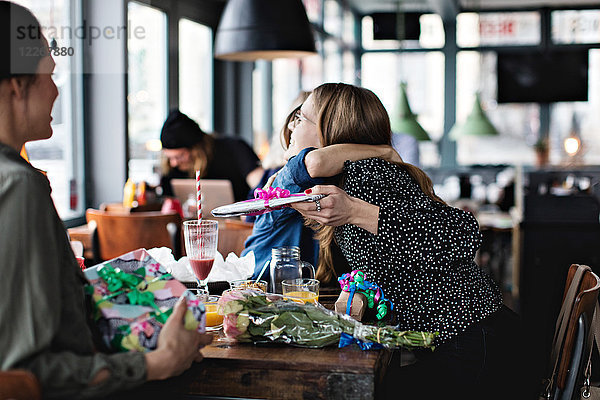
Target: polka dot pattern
{"x":423,"y":253}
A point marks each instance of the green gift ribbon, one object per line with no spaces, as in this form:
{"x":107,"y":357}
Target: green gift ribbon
{"x":359,"y":278}
{"x":142,"y":298}
{"x":117,"y":279}
{"x":370,"y":295}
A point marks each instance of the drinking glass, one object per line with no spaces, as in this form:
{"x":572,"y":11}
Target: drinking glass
{"x":301,"y":290}
{"x":200,"y":247}
{"x":214,"y":320}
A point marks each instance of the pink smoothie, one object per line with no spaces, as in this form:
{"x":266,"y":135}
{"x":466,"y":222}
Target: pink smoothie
{"x":202,"y":267}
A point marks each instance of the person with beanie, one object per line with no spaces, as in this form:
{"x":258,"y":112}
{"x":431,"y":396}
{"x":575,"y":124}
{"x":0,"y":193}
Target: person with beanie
{"x":186,"y":149}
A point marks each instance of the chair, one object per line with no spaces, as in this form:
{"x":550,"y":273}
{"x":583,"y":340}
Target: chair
{"x":114,"y":234}
{"x":118,"y":207}
{"x":232,"y":235}
{"x":577,"y":338}
{"x":19,"y":384}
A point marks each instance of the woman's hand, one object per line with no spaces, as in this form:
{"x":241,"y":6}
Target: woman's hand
{"x":338,"y":208}
{"x":177,"y":347}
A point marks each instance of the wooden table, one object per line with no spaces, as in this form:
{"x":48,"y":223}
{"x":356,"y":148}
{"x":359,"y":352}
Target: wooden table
{"x":277,"y":372}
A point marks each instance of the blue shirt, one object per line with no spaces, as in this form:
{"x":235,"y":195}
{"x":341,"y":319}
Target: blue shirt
{"x":284,"y":227}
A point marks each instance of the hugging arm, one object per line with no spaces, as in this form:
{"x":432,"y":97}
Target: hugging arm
{"x":329,"y":161}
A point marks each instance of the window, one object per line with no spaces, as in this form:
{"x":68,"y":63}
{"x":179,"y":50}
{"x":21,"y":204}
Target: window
{"x":286,"y":86}
{"x":332,"y":61}
{"x":575,"y":26}
{"x":517,"y":124}
{"x":333,"y":17}
{"x":196,"y":72}
{"x":498,"y":29}
{"x":349,"y":23}
{"x":147,"y":90}
{"x":313,"y":10}
{"x":581,"y":119}
{"x":349,"y":67}
{"x":424,"y":74}
{"x":61,"y":156}
{"x":311,"y":69}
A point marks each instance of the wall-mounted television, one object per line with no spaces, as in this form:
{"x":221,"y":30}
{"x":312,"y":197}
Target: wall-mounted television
{"x":547,"y":77}
{"x":386,"y":26}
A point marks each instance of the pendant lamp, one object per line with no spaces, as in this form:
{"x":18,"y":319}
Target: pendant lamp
{"x":476,"y":124}
{"x":250,"y":30}
{"x":407,"y":122}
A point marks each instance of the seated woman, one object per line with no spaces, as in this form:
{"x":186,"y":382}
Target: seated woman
{"x":285,"y":227}
{"x":43,"y":315}
{"x":187,"y":149}
{"x":388,"y":222}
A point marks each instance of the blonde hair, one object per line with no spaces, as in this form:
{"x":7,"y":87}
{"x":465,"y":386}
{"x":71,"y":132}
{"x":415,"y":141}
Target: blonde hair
{"x":352,"y":114}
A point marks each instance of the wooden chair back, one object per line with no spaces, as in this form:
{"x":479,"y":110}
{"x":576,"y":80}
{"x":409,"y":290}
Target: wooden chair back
{"x":581,"y":317}
{"x":119,"y":208}
{"x":114,"y":234}
{"x":19,"y":384}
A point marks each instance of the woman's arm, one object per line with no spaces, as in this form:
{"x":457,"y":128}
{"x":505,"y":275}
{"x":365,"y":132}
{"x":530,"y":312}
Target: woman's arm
{"x":49,"y":334}
{"x":338,"y":208}
{"x":329,"y":160}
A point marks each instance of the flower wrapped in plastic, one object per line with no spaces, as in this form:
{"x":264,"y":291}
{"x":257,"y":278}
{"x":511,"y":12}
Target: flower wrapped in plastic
{"x":257,"y":317}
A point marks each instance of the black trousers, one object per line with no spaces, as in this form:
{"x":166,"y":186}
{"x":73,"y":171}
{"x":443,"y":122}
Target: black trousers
{"x":486,"y":361}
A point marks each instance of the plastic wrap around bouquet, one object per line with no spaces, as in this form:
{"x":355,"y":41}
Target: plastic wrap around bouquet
{"x":265,"y":200}
{"x":257,"y":317}
{"x":132,"y":296}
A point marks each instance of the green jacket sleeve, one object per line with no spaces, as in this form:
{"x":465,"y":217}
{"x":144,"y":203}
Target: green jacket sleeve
{"x":43,"y":317}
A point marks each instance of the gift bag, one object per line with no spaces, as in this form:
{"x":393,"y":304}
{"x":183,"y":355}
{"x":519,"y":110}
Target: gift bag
{"x":132,"y":296}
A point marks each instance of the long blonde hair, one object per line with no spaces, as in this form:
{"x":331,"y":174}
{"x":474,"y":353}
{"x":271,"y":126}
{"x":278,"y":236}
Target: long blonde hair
{"x":352,"y":114}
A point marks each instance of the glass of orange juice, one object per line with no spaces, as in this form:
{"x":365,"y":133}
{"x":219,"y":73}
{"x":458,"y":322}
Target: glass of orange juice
{"x":301,"y":290}
{"x":214,"y":320}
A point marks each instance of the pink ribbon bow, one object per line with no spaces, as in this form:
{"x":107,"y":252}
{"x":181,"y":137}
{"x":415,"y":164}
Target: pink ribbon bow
{"x":268,"y":194}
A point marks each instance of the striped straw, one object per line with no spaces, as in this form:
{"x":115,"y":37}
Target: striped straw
{"x":199,"y":195}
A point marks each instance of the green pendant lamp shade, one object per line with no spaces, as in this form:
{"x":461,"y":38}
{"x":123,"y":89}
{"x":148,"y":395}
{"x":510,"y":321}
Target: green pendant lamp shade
{"x":250,"y":30}
{"x":407,"y":122}
{"x":476,"y":124}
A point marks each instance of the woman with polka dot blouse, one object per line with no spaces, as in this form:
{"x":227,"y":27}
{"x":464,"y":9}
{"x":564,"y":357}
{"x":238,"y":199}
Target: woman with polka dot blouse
{"x":388,"y":222}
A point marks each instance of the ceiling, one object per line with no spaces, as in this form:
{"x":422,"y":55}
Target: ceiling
{"x":451,"y":7}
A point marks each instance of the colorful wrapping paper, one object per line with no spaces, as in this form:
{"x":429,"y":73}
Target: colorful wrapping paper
{"x":133,"y":295}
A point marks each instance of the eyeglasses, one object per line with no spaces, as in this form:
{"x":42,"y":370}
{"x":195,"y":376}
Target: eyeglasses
{"x":299,"y":117}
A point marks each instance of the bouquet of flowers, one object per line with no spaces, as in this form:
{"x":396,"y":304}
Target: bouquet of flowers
{"x":253,"y":316}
